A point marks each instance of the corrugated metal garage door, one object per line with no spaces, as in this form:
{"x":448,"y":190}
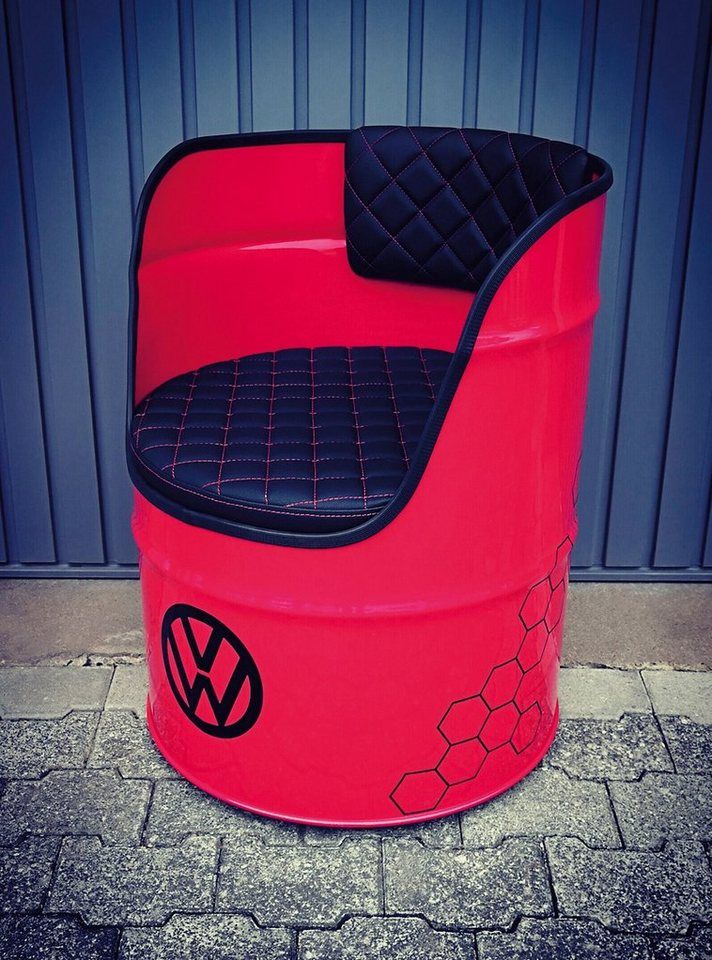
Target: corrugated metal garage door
{"x":93,"y":92}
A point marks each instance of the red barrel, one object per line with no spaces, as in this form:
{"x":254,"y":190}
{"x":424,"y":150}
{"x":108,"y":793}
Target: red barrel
{"x":413,"y":673}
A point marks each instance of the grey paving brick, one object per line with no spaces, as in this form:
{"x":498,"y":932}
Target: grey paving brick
{"x":394,"y":938}
{"x":546,"y":803}
{"x":305,"y":885}
{"x":600,"y":693}
{"x":67,"y":802}
{"x":690,"y":744}
{"x":47,"y":692}
{"x":560,"y":940}
{"x":684,"y":693}
{"x":205,"y":938}
{"x":123,"y":742}
{"x":29,"y":748}
{"x":179,"y":809}
{"x":663,"y":806}
{"x":126,"y":884}
{"x":437,"y":833}
{"x":129,"y":688}
{"x":695,"y":946}
{"x":25,"y":873}
{"x":54,"y":938}
{"x":641,"y":892}
{"x":467,"y":888}
{"x":609,"y":749}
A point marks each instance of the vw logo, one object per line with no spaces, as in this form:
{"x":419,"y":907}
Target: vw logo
{"x":211,"y":672}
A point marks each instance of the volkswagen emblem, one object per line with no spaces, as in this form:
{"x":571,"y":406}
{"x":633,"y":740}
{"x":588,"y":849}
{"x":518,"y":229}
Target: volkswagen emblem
{"x":211,"y":672}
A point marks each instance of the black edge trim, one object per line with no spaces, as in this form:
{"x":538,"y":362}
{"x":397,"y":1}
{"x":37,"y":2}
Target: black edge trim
{"x":463,"y":351}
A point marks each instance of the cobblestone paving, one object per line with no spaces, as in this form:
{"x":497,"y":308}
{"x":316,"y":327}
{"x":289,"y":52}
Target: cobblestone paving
{"x":603,"y":853}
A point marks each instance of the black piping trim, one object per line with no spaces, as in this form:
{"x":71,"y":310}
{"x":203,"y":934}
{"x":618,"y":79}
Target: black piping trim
{"x":463,"y":351}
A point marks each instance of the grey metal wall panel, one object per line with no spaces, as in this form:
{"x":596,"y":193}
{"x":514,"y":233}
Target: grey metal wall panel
{"x":329,"y":58}
{"x":103,"y":191}
{"x":616,"y":125}
{"x":443,"y":62}
{"x":157,"y":39}
{"x":685,"y":495}
{"x":93,"y":92}
{"x":46,"y":152}
{"x":273,"y":77}
{"x":557,"y":68}
{"x":215,"y":51}
{"x":502,"y":29}
{"x":25,"y":487}
{"x":653,"y":312}
{"x":385,"y":77}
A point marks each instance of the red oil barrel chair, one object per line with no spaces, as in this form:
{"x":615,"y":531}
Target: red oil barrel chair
{"x":357,"y":392}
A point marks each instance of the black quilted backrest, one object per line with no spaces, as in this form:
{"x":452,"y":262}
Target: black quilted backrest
{"x":440,"y":205}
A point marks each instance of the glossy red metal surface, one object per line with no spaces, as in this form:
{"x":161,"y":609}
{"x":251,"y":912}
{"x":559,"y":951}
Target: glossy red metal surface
{"x":413,"y":673}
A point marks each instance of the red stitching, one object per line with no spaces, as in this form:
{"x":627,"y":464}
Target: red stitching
{"x":393,"y":178}
{"x":209,"y":384}
{"x":420,"y":211}
{"x":472,"y":214}
{"x":270,"y":424}
{"x":246,"y":442}
{"x":553,"y":168}
{"x":487,"y":180}
{"x":240,"y":504}
{"x":385,"y":469}
{"x":518,"y":168}
{"x":142,"y":416}
{"x":227,"y":422}
{"x":349,"y":362}
{"x":377,"y":140}
{"x":183,"y":463}
{"x":338,"y":476}
{"x":278,"y":396}
{"x":371,"y":496}
{"x":182,"y":422}
{"x":393,"y":237}
{"x":395,"y":408}
{"x":427,"y":374}
{"x":449,"y":183}
{"x":531,"y":198}
{"x":313,"y":426}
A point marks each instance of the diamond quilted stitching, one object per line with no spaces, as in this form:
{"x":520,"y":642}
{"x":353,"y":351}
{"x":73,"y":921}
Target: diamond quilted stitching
{"x":441,"y":205}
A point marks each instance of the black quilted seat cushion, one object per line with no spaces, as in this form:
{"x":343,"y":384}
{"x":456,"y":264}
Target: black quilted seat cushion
{"x":440,"y":205}
{"x":298,"y":440}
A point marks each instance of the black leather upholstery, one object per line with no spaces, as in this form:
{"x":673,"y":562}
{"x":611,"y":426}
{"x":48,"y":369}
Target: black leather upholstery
{"x":300,"y":440}
{"x":440,"y":205}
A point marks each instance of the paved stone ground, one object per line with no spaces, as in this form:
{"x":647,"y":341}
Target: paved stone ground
{"x":603,"y":852}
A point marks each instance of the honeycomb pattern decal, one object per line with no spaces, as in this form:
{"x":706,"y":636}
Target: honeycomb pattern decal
{"x":494,"y":716}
